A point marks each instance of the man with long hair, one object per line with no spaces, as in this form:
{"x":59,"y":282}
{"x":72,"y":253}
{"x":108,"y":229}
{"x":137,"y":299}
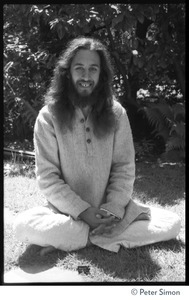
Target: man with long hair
{"x":85,"y":163}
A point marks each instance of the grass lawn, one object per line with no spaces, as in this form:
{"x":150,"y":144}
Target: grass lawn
{"x":162,"y":262}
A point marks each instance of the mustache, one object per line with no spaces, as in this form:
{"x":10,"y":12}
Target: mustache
{"x":80,"y":100}
{"x":84,"y":81}
{"x":89,"y":82}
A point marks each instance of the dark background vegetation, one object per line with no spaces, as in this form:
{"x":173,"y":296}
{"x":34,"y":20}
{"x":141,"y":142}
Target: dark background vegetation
{"x":147,"y":46}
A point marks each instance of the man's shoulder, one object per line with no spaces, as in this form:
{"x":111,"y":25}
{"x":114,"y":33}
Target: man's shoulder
{"x":44,"y":110}
{"x":44,"y":114}
{"x":118,"y":108}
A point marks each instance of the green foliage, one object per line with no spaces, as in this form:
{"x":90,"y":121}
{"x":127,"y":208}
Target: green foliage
{"x":16,"y":164}
{"x":143,"y":148}
{"x":17,"y":168}
{"x":146,"y":42}
{"x":169,"y":122}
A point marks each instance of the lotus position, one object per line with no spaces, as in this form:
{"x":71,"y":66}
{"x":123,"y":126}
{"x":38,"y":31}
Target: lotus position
{"x":85,"y":163}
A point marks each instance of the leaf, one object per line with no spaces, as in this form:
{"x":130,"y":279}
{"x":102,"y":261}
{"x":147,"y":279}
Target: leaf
{"x":178,"y":109}
{"x":156,"y":8}
{"x":135,"y":60}
{"x":118,"y":19}
{"x":153,"y":115}
{"x":149,"y":12}
{"x":60,"y":30}
{"x":163,"y":64}
{"x":140,"y":17}
{"x":30,"y":112}
{"x":51,"y":61}
{"x":175,"y":143}
{"x":178,"y":128}
{"x":156,"y":119}
{"x":8,"y":66}
{"x":165,"y":110}
{"x":132,"y":70}
{"x":130,"y":20}
{"x":116,"y":54}
{"x":86,"y":29}
{"x":24,"y":8}
{"x":94,"y":12}
{"x":140,"y":62}
{"x":135,"y":43}
{"x":164,"y":133}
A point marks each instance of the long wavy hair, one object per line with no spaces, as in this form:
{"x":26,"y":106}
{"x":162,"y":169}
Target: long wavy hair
{"x":57,"y":96}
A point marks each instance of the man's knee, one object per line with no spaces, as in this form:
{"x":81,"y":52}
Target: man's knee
{"x":19,"y":226}
{"x":25,"y":221}
{"x":176,"y":221}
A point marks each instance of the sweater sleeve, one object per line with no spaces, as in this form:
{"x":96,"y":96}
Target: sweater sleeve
{"x":122,"y":175}
{"x":48,"y":170}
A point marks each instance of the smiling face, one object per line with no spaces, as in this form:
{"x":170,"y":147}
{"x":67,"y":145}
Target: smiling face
{"x":85,"y":71}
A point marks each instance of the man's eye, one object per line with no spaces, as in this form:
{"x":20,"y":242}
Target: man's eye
{"x":79,"y":69}
{"x":93,"y":69}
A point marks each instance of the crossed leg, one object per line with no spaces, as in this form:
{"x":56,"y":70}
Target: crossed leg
{"x":163,"y":226}
{"x":44,"y":227}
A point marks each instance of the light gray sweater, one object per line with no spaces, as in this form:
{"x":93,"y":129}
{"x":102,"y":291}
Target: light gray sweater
{"x":76,"y":170}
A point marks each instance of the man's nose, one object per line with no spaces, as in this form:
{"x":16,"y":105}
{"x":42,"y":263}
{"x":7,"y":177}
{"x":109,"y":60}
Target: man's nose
{"x":86,"y":74}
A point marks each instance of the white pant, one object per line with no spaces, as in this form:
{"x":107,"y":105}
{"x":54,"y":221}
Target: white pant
{"x":43,"y":227}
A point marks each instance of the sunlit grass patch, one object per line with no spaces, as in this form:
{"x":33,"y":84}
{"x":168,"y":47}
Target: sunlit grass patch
{"x":160,"y":262}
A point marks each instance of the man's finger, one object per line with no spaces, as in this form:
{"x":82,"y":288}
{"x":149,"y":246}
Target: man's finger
{"x":107,"y":221}
{"x":103,"y":229}
{"x":109,"y":229}
{"x":97,"y":230}
{"x":104,"y":213}
{"x":98,"y":216}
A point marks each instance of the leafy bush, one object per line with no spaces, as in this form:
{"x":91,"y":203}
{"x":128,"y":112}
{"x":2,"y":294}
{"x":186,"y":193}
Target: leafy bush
{"x":16,"y":164}
{"x":145,"y":47}
{"x":143,"y":148}
{"x":16,"y":168}
{"x":169,"y":122}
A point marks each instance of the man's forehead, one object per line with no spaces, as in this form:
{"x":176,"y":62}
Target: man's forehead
{"x":86,"y":56}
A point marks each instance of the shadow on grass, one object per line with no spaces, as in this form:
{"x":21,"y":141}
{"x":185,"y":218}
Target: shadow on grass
{"x":31,"y":261}
{"x":128,"y":265}
{"x":173,"y":245}
{"x":165,"y":185}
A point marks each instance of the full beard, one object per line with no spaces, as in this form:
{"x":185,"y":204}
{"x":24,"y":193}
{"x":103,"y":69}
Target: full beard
{"x":79,"y":100}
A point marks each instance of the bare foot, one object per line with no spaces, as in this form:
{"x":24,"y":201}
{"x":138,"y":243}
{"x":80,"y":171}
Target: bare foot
{"x":47,"y":250}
